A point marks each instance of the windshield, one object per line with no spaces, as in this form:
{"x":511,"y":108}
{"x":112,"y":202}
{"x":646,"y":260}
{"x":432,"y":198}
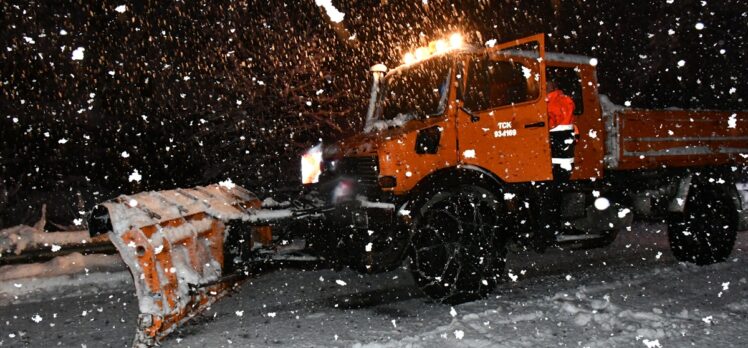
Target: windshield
{"x":416,"y":92}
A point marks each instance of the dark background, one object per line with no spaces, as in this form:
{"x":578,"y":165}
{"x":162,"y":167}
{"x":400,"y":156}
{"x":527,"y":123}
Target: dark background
{"x":163,"y":81}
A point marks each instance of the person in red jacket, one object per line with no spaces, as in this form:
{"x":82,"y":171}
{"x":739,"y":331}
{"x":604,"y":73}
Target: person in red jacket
{"x":563,"y":131}
{"x":549,"y":194}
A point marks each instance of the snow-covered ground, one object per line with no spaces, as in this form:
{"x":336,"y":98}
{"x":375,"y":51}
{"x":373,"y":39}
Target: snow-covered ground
{"x":631,"y":294}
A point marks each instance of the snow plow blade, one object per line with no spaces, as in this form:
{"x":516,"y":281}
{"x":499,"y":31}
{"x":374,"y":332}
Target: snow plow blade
{"x":173,"y":243}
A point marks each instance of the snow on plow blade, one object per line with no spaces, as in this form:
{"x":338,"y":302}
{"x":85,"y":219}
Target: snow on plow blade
{"x":172,"y":241}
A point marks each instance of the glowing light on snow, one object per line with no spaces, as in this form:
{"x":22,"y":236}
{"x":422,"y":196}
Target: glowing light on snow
{"x":134,"y":176}
{"x":310,"y":165}
{"x":422,"y":53}
{"x":121,"y":8}
{"x":332,"y":12}
{"x":602,"y":203}
{"x":455,"y":40}
{"x":440,"y":46}
{"x":78,"y":53}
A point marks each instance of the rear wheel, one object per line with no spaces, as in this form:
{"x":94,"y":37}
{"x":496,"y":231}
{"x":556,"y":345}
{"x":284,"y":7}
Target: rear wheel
{"x":705,"y":233}
{"x":458,"y":245}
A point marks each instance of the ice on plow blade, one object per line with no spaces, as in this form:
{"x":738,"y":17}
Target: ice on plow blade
{"x":172,"y":241}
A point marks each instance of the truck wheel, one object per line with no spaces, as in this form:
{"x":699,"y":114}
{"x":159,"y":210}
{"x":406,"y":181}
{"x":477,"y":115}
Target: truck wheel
{"x":458,"y":248}
{"x":705,"y":233}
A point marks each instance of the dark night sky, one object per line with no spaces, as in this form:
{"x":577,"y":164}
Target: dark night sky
{"x":197,"y":92}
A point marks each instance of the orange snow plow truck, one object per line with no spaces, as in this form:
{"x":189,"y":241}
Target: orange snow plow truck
{"x":453,"y":166}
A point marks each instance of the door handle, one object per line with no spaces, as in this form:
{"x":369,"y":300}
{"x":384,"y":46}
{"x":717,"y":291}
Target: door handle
{"x":535,"y":125}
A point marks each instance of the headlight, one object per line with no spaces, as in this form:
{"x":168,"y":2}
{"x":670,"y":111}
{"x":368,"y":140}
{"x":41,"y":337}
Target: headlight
{"x":310,"y":165}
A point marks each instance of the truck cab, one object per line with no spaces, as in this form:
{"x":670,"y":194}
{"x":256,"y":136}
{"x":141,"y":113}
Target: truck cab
{"x":456,"y":146}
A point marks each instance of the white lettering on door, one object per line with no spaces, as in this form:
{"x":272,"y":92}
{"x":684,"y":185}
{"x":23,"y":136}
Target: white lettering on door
{"x":505,"y":130}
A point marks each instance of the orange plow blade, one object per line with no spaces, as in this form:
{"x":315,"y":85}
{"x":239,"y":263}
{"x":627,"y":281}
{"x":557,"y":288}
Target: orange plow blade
{"x":173,"y":243}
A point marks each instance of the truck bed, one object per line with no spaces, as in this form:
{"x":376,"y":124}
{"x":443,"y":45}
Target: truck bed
{"x":652,"y":139}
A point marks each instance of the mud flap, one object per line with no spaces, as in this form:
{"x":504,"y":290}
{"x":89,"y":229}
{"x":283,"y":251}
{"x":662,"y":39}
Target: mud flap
{"x":173,"y":243}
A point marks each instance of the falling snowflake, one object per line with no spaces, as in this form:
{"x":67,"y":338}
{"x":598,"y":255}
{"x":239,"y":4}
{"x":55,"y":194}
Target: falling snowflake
{"x":732,"y":122}
{"x":78,"y":53}
{"x":459,"y":334}
{"x":602,"y":203}
{"x":332,"y":12}
{"x":121,"y":8}
{"x":227,"y":184}
{"x":134,"y":176}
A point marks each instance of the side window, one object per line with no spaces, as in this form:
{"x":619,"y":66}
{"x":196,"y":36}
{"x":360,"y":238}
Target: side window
{"x":569,"y":81}
{"x":496,"y":83}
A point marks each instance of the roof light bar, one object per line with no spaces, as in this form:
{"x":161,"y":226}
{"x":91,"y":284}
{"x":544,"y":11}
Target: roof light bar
{"x":455,"y":41}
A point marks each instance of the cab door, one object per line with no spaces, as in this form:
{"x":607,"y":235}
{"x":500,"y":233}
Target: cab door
{"x":501,"y":120}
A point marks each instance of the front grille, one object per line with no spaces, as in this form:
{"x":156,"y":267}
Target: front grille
{"x":365,"y":170}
